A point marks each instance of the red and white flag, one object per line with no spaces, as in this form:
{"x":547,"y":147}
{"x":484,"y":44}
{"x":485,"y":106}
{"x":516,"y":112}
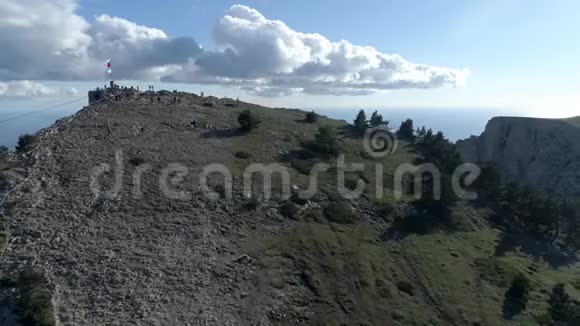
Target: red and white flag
{"x":109,"y":67}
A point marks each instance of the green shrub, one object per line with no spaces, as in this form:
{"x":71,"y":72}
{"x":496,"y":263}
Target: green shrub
{"x":351,"y":181}
{"x":325,"y":142}
{"x":34,"y":300}
{"x":289,"y":210}
{"x":248,"y":121}
{"x":406,"y":287}
{"x":4,"y":152}
{"x":311,"y":117}
{"x":561,"y":309}
{"x":251,"y":203}
{"x":376,"y":119}
{"x":243,"y":155}
{"x":136,"y":161}
{"x":516,"y":297}
{"x":406,"y":131}
{"x":386,"y":208}
{"x":3,"y":182}
{"x":339,"y":212}
{"x":360,"y":122}
{"x":25,"y":143}
{"x":313,"y":215}
{"x":295,"y":198}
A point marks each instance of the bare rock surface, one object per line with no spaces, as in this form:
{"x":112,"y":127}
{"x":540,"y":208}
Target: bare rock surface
{"x":131,"y":258}
{"x":541,"y":153}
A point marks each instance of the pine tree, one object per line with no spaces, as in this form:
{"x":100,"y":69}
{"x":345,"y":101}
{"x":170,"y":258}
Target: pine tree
{"x":376,"y":119}
{"x":421,"y":132}
{"x":360,"y":123}
{"x":325,"y":142}
{"x":489,"y":181}
{"x":248,"y":121}
{"x":516,"y":297}
{"x":311,"y":117}
{"x":560,"y":306}
{"x":25,"y":143}
{"x":406,"y":131}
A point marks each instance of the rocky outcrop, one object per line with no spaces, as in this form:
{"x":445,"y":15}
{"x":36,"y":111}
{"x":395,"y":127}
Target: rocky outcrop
{"x":541,"y":153}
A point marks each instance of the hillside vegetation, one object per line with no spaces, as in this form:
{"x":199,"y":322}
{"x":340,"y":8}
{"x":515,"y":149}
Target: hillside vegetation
{"x":139,"y":257}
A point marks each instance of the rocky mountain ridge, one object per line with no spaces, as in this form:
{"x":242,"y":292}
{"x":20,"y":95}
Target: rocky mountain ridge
{"x":541,"y":153}
{"x":147,"y":256}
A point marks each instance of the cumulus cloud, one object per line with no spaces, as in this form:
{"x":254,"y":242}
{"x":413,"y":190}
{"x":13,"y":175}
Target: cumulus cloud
{"x":253,"y":48}
{"x":137,"y":51}
{"x":26,"y":88}
{"x":42,"y":40}
{"x":47,"y":40}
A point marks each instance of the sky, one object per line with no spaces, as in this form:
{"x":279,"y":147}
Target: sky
{"x":520,"y":55}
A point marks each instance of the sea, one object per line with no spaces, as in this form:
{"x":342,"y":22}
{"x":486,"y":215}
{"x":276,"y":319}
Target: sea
{"x":455,"y":123}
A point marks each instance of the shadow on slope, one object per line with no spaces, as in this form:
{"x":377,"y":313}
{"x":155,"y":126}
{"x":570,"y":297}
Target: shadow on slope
{"x":222,"y":133}
{"x":538,"y":249}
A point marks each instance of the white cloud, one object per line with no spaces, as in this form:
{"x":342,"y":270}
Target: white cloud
{"x":26,"y":88}
{"x":255,"y":50}
{"x":267,"y":91}
{"x":48,"y":40}
{"x":41,"y":39}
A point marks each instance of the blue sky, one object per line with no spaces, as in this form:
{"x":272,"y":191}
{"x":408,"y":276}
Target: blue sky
{"x":521,"y":54}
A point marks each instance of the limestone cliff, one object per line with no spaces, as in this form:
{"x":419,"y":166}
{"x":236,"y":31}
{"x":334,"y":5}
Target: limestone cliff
{"x":541,"y":153}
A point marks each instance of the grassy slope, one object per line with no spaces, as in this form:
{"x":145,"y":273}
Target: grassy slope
{"x":453,"y":276}
{"x":356,"y":274}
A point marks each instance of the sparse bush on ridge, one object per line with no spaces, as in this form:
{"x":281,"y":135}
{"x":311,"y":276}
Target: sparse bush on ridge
{"x":295,"y":198}
{"x":136,"y":161}
{"x":289,"y":210}
{"x":386,"y":208}
{"x":516,"y":297}
{"x":325,"y":142}
{"x":243,"y":155}
{"x":25,"y":143}
{"x":251,"y":203}
{"x":339,"y":212}
{"x":311,"y":117}
{"x":406,"y":287}
{"x":248,"y":121}
{"x":351,"y":181}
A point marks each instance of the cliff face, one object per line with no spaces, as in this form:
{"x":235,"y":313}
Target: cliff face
{"x":541,"y":153}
